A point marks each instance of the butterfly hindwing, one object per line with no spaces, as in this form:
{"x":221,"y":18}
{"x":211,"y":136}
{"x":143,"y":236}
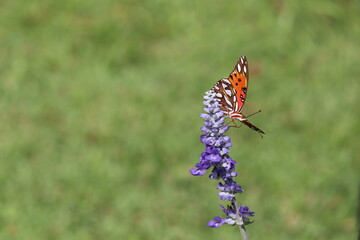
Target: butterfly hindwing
{"x":226,"y":94}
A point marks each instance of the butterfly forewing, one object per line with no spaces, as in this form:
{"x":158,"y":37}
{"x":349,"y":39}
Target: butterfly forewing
{"x":231,"y":91}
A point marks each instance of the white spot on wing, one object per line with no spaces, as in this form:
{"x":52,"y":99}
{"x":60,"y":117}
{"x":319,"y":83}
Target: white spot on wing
{"x":217,"y":88}
{"x":236,"y":106}
{"x":245,"y":69}
{"x":239,"y":67}
{"x":226,"y":80}
{"x":228,"y":102}
{"x":228,"y":92}
{"x":224,"y":85}
{"x":234,"y":98}
{"x":219,"y":95}
{"x":242,"y":60}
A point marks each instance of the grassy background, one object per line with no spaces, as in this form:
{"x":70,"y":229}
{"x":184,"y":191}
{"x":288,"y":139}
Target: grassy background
{"x":100,"y":106}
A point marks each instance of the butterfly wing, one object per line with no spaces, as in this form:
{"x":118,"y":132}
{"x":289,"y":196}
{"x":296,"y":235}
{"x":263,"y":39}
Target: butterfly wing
{"x":231,"y":91}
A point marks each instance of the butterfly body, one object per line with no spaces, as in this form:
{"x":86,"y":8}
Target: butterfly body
{"x":231,"y":93}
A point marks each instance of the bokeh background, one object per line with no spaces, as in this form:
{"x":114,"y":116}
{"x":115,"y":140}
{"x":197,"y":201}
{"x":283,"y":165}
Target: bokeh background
{"x":99,"y":117}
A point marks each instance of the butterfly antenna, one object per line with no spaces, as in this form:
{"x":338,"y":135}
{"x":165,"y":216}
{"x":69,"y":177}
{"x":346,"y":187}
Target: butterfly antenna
{"x":254,"y":113}
{"x":261,"y":135}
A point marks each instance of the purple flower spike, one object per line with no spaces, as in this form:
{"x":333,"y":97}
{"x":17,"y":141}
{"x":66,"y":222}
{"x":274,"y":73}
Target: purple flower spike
{"x":216,"y":156}
{"x":216,"y":143}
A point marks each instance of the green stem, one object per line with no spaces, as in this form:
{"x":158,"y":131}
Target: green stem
{"x":240,"y":220}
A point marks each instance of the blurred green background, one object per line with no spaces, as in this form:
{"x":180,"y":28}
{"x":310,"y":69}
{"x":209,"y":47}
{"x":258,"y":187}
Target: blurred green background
{"x":100,"y":105}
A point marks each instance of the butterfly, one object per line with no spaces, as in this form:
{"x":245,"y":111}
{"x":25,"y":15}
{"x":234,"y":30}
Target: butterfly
{"x":231,"y":93}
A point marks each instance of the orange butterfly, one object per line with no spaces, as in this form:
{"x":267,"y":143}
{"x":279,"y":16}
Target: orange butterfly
{"x":232,"y":91}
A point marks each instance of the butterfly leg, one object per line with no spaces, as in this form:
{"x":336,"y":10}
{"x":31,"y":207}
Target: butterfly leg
{"x":233,"y":121}
{"x":238,"y":125}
